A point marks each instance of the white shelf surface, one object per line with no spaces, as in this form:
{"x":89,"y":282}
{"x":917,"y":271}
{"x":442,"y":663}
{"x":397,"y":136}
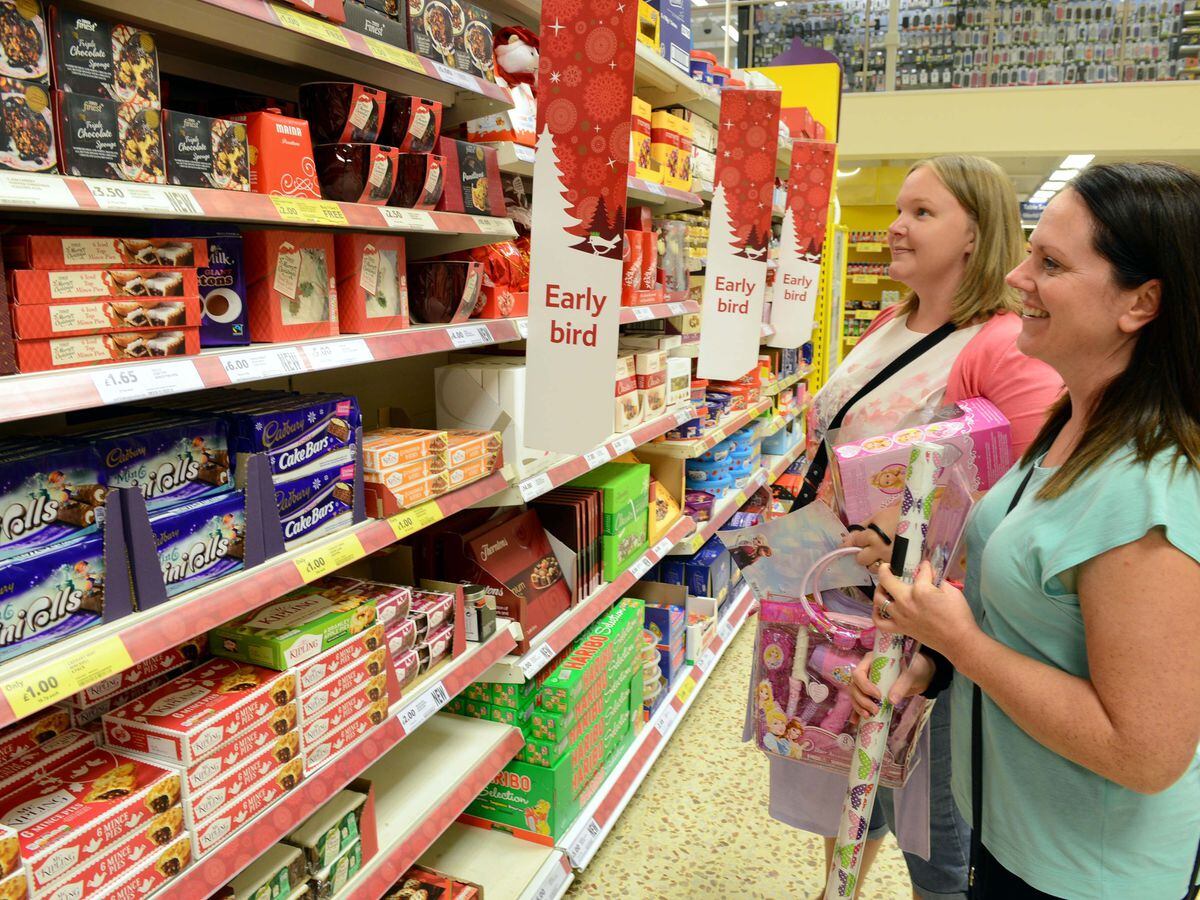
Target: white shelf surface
{"x":506,"y":867}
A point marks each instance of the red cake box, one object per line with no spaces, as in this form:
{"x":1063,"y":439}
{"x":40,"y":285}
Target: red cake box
{"x":66,"y":319}
{"x":408,"y":666}
{"x":190,"y":651}
{"x":372,"y":283}
{"x":350,"y":652}
{"x":53,"y":753}
{"x":291,"y":282}
{"x":150,"y":874}
{"x":29,"y":734}
{"x":281,"y":155}
{"x":370,"y":695}
{"x":73,"y":811}
{"x":201,"y":803}
{"x":57,"y":251}
{"x":326,"y":9}
{"x":401,"y":637}
{"x":28,"y":286}
{"x":186,"y":718}
{"x":41,"y":355}
{"x":342,"y":737}
{"x":248,"y":804}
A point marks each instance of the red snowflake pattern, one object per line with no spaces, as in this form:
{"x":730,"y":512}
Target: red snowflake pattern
{"x":600,"y":45}
{"x":598,"y":144}
{"x":602,"y":98}
{"x":618,"y":140}
{"x":746,"y":143}
{"x":560,"y":115}
{"x":572,"y":76}
{"x":581,"y":27}
{"x":809,"y":186}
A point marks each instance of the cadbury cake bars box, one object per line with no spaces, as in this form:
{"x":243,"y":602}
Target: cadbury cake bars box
{"x":318,"y":502}
{"x":298,"y":432}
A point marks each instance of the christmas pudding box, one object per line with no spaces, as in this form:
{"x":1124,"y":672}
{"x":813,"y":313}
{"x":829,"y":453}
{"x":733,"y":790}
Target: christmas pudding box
{"x":475,"y":170}
{"x":248,"y":804}
{"x":366,"y":646}
{"x":103,"y":317}
{"x":73,"y":811}
{"x":56,"y":251}
{"x":868,"y":475}
{"x":372,"y":283}
{"x":187,"y":718}
{"x":28,"y":286}
{"x":291,"y":282}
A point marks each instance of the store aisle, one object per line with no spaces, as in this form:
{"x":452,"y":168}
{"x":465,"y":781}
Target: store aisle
{"x":698,"y":828}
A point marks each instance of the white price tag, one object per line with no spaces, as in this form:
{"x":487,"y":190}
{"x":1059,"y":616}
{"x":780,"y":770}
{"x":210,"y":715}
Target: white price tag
{"x":453,"y":76}
{"x":553,"y":885}
{"x":597,"y":457}
{"x":142,"y":380}
{"x":640,"y":568}
{"x":125,"y":196}
{"x":334,"y":354}
{"x":623,"y":445}
{"x":707,"y":658}
{"x":408,"y":219}
{"x":677,"y":309}
{"x":258,"y":364}
{"x":665,"y":718}
{"x":535,"y":486}
{"x":580,"y":849}
{"x":643,"y":313}
{"x":657,"y":189}
{"x":523,"y":153}
{"x":469,"y":336}
{"x":419,"y":710}
{"x":494,"y":225}
{"x":48,"y":191}
{"x":684,"y":415}
{"x":725,"y":631}
{"x":663,"y":547}
{"x":523,"y":328}
{"x":536,"y":659}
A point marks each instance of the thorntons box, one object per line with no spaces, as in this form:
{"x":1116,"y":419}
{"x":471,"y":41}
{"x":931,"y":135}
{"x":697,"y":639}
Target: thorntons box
{"x":85,"y":804}
{"x":198,"y":542}
{"x":186,"y":718}
{"x":869,"y":475}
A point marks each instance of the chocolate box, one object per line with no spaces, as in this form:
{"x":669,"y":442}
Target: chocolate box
{"x":317,"y":502}
{"x":372,"y":282}
{"x":40,"y":355}
{"x":103,"y":317}
{"x":199,"y":542}
{"x":281,"y":155}
{"x":436,"y":645}
{"x":100,"y":58}
{"x":392,"y":601}
{"x":204,"y":152}
{"x":85,"y":804}
{"x":430,"y":609}
{"x":27,"y":142}
{"x":299,"y":433}
{"x":292,"y":285}
{"x":223,"y":293}
{"x":49,"y":492}
{"x":24,"y":48}
{"x":56,"y":251}
{"x":366,"y":645}
{"x":408,"y":667}
{"x":375,"y":24}
{"x":248,"y":804}
{"x":168,"y":461}
{"x":151,"y":874}
{"x":476,"y":169}
{"x":30,"y":286}
{"x":293,"y":629}
{"x":101,"y":138}
{"x":186,"y":718}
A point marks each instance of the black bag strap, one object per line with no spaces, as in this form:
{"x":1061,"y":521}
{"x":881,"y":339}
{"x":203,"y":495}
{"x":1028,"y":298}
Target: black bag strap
{"x":820,"y":461}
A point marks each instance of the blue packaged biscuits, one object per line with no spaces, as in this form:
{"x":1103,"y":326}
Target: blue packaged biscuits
{"x":49,"y":492}
{"x":51,"y":592}
{"x":318,"y":502}
{"x":201,"y":541}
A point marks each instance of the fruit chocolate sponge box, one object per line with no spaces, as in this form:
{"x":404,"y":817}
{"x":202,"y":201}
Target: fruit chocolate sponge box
{"x":186,"y":718}
{"x":101,"y":138}
{"x":24,"y":49}
{"x":293,"y":629}
{"x":100,"y":58}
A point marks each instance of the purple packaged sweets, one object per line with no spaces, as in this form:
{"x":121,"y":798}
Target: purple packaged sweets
{"x":298,"y":432}
{"x":316,"y":503}
{"x":48,"y":492}
{"x":223,"y":293}
{"x":198,"y":542}
{"x":171,"y":461}
{"x":51,"y":592}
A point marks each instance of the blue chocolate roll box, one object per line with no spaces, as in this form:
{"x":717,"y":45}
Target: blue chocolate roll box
{"x":49,"y":492}
{"x":200,"y":541}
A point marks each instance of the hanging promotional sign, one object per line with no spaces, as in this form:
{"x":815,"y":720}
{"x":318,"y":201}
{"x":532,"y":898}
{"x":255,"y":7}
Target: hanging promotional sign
{"x":738,"y":232}
{"x":801,"y":242}
{"x":585,"y":93}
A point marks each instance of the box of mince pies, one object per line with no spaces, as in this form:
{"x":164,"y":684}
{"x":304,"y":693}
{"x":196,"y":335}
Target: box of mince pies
{"x":56,"y":286}
{"x":86,"y":350}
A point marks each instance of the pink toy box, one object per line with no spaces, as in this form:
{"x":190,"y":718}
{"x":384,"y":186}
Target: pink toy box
{"x":868,"y":475}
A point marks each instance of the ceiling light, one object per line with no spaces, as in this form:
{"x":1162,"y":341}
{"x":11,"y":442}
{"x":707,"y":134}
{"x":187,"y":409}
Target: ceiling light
{"x":850,"y":174}
{"x":781,"y":2}
{"x":731,"y":31}
{"x":1078,"y":160}
{"x":1051,"y":185}
{"x":700,"y":2}
{"x":1064,"y":174}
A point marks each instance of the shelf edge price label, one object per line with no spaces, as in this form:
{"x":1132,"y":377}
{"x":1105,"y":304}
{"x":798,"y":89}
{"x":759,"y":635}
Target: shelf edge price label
{"x":406,"y":59}
{"x":309,"y":211}
{"x":707,"y":658}
{"x":310,"y":25}
{"x":413,"y":520}
{"x":677,"y":309}
{"x":663,"y":547}
{"x":535,"y":486}
{"x":665,"y":719}
{"x":423,"y":708}
{"x":536,"y":660}
{"x":643,"y":313}
{"x":552,"y":886}
{"x":523,"y":153}
{"x":640,"y":568}
{"x":523,"y":328}
{"x":492,"y":225}
{"x":685,"y":689}
{"x":623,"y":445}
{"x":29,"y":189}
{"x":329,"y":558}
{"x":462,"y":336}
{"x":142,"y":380}
{"x":597,"y":457}
{"x":258,"y":364}
{"x":68,"y":674}
{"x":684,"y":415}
{"x":585,"y":842}
{"x":453,"y":76}
{"x":725,"y":630}
{"x":408,"y":219}
{"x":335,"y":354}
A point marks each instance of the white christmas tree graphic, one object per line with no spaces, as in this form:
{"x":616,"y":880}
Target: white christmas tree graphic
{"x":795,"y":289}
{"x":549,"y":207}
{"x":720,"y":226}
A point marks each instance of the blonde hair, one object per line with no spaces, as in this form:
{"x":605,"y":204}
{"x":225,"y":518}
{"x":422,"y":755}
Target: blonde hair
{"x":984,"y":191}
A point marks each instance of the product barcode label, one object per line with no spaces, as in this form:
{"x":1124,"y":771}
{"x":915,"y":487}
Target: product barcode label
{"x":334,"y":354}
{"x":419,"y":710}
{"x":643,"y":313}
{"x":535,"y":486}
{"x":597,"y":457}
{"x":536,"y":659}
{"x":258,"y":364}
{"x":469,"y":336}
{"x":407,"y":219}
{"x":584,"y":844}
{"x":640,"y":568}
{"x":623,"y":445}
{"x":665,"y":718}
{"x":137,"y":382}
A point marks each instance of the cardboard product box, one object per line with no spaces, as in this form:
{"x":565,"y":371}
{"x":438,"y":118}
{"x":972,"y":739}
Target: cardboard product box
{"x":28,"y":53}
{"x":401,"y":637}
{"x":391,"y":29}
{"x":78,"y":807}
{"x":341,"y":684}
{"x":369,"y":699}
{"x":408,"y":667}
{"x":476,"y":41}
{"x":519,"y":718}
{"x":435,"y":647}
{"x":16,"y":885}
{"x":197,"y":542}
{"x":511,"y":696}
{"x":326,"y":9}
{"x":667,"y":623}
{"x":10,"y":859}
{"x":144,"y":876}
{"x":704,"y":165}
{"x":671,"y":149}
{"x":66,"y":353}
{"x":57,"y":251}
{"x":675,"y":32}
{"x":291,"y":285}
{"x":652,"y":389}
{"x":319,"y":501}
{"x":248,"y":804}
{"x":275,"y":874}
{"x":205,"y":152}
{"x":223,"y":293}
{"x":546,"y":752}
{"x":476,"y":169}
{"x":41,"y":286}
{"x":622,"y":548}
{"x":518,"y":124}
{"x":329,"y":881}
{"x":221,"y":762}
{"x":648,"y":26}
{"x":328,"y":832}
{"x":625,"y":488}
{"x":551,"y":723}
{"x":281,"y":155}
{"x":40,"y":759}
{"x":300,"y":433}
{"x":679,"y":381}
{"x":372,"y":282}
{"x":639,"y":142}
{"x":347,"y":730}
{"x":71,"y":318}
{"x":293,"y":629}
{"x":101,"y":58}
{"x":32,"y":144}
{"x":186,"y":718}
{"x":430,"y":610}
{"x":363,"y":646}
{"x":585,"y":666}
{"x":434,"y":32}
{"x":393,"y":602}
{"x":101,"y":138}
{"x":706,"y":573}
{"x":629,"y":412}
{"x":387,"y":448}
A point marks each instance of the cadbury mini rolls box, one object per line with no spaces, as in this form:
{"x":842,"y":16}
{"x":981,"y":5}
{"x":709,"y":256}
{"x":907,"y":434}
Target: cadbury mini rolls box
{"x":48,"y":492}
{"x":200,"y":541}
{"x":868,"y":475}
{"x":316,"y":502}
{"x":169,"y":461}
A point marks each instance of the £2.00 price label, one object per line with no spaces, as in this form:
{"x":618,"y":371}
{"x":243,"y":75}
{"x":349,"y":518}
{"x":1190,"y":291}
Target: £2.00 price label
{"x":404,"y":58}
{"x":329,"y":558}
{"x":419,"y":710}
{"x":536,"y":659}
{"x":142,"y":380}
{"x":312,"y":212}
{"x":413,"y":520}
{"x":68,"y":674}
{"x":584,"y":843}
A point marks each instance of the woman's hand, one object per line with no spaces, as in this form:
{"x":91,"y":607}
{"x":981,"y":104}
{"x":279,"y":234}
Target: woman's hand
{"x":938,"y":617}
{"x":913,"y":680}
{"x":874,"y":549}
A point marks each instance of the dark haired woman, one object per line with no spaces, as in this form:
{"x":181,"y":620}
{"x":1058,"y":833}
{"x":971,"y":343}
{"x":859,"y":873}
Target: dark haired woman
{"x":1077,"y":641}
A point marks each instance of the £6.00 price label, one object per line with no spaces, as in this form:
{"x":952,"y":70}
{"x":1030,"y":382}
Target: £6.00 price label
{"x":584,"y":843}
{"x":66,"y":675}
{"x":329,"y":558}
{"x":259,"y":364}
{"x":142,"y":380}
{"x":536,"y":659}
{"x":413,"y":520}
{"x":419,"y":710}
{"x":597,"y":457}
{"x":334,"y":354}
{"x":535,"y":486}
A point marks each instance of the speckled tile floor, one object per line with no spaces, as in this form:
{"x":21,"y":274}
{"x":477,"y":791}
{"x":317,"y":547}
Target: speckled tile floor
{"x":698,"y":828}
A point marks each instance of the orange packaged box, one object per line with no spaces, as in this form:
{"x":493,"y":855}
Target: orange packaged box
{"x":194,"y":713}
{"x":464,"y":446}
{"x":386,"y":448}
{"x":85,"y":804}
{"x":281,"y":155}
{"x":406,"y":494}
{"x":233,"y":753}
{"x":291,"y":285}
{"x":313,"y":671}
{"x":57,"y":251}
{"x":472,"y":470}
{"x":372,"y":282}
{"x":248,"y":804}
{"x":408,"y":472}
{"x":86,"y":350}
{"x":103,"y":317}
{"x":328,"y":720}
{"x":150,"y":874}
{"x":49,"y":286}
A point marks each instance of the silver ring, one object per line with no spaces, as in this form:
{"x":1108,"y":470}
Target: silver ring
{"x":877,"y":564}
{"x":883,"y":609}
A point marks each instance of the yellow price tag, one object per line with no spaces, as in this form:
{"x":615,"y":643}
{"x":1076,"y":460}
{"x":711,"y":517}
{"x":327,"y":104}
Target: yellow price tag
{"x":413,"y":520}
{"x":311,"y":212}
{"x":329,"y":558}
{"x":685,"y":689}
{"x":869,"y":247}
{"x":310,"y":25}
{"x":406,"y":59}
{"x":865,"y":279}
{"x":66,"y":675}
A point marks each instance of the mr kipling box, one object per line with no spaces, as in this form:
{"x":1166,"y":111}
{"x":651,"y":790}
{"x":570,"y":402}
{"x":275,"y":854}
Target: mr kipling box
{"x":625,"y":488}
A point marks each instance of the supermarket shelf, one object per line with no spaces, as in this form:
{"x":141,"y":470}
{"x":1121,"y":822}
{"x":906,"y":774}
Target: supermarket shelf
{"x":251,"y":840}
{"x":560,"y":471}
{"x":526,"y":12}
{"x":557,"y":636}
{"x":779,"y":464}
{"x":596,"y":820}
{"x":504,"y":866}
{"x":780,"y":385}
{"x":428,"y":233}
{"x":631,"y":314}
{"x":869,"y":279}
{"x":727,"y":426}
{"x":862,"y":313}
{"x":661,"y":84}
{"x":722,"y":513}
{"x":778,"y":423}
{"x":869,"y":247}
{"x":279,"y":35}
{"x":422,"y":786}
{"x":91,"y":656}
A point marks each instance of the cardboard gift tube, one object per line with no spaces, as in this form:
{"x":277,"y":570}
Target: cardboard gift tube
{"x":631,"y":267}
{"x":649,"y":260}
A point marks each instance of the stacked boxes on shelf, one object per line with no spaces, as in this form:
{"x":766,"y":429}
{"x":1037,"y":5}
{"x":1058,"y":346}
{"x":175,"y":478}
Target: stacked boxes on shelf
{"x":625,"y":491}
{"x":404,"y":467}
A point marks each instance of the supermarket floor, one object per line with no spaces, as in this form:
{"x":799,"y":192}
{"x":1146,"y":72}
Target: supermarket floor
{"x":698,"y":828}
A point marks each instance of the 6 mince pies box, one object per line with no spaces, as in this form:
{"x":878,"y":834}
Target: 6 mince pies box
{"x":366,"y":646}
{"x":369,"y":698}
{"x":248,"y":804}
{"x":341,"y":684}
{"x":151,"y":874}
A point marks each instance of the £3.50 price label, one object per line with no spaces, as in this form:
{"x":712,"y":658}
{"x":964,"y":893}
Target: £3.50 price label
{"x":413,"y":520}
{"x":329,"y":558}
{"x":419,"y":710}
{"x":68,"y":674}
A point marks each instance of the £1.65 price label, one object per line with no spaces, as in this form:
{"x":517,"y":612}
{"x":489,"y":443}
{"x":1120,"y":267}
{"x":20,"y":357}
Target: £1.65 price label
{"x":142,"y":380}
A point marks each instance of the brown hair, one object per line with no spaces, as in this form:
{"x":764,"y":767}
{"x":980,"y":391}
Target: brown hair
{"x":984,"y":191}
{"x":1146,"y":224}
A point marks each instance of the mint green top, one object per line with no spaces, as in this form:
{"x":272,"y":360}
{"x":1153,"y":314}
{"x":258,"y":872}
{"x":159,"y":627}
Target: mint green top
{"x":1062,"y":828}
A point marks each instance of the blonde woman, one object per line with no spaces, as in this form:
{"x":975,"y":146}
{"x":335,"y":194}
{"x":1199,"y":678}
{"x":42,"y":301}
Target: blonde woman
{"x":956,"y":234}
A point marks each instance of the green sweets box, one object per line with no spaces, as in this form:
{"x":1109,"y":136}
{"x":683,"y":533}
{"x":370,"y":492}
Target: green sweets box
{"x":330,"y":831}
{"x":513,"y":696}
{"x":624,"y":489}
{"x":278,"y":872}
{"x":293,"y":629}
{"x":618,"y":550}
{"x":585,"y":666}
{"x":551,"y":725}
{"x":334,"y":877}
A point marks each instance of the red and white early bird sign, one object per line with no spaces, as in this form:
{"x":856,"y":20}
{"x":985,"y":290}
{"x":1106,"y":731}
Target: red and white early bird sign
{"x":738,"y":232}
{"x":585,"y":92}
{"x":802,"y":242}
